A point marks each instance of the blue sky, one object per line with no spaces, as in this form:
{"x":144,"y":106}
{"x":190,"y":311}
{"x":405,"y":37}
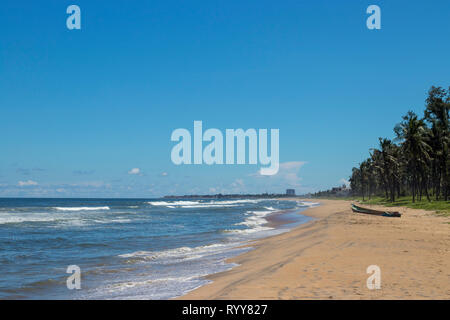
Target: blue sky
{"x":80,"y":109}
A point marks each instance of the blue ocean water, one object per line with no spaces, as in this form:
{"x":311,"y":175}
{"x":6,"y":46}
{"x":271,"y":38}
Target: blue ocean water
{"x":125,"y":248}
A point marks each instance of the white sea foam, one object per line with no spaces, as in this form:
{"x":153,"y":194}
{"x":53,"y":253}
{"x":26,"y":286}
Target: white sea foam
{"x":120,"y":220}
{"x":61,"y":218}
{"x":237,"y":201}
{"x":203,"y":204}
{"x":132,"y":284}
{"x":181,"y":277}
{"x":250,"y":230}
{"x":180,"y":253}
{"x":173,"y":203}
{"x":207,"y":205}
{"x":255,"y":221}
{"x":260,"y":213}
{"x":307,"y":203}
{"x":80,"y":208}
{"x":173,"y":271}
{"x":5,"y":220}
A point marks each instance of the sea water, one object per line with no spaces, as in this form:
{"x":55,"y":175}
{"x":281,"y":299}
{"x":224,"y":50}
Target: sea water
{"x":125,"y":248}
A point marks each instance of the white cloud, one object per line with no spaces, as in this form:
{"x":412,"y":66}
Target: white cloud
{"x":164,"y":174}
{"x":134,"y":171}
{"x":345,"y":181}
{"x":293,"y":165}
{"x":288,"y":173}
{"x":27,"y":183}
{"x":288,"y":176}
{"x":237,"y":186}
{"x":238,"y":183}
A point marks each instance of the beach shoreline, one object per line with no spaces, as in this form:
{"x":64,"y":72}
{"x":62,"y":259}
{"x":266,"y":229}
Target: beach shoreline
{"x":327,"y":258}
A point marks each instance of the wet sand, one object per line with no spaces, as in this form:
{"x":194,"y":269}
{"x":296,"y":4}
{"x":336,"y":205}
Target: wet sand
{"x":327,"y":258}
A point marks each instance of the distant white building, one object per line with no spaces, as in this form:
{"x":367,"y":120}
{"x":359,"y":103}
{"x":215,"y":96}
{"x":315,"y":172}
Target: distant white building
{"x":290,"y":192}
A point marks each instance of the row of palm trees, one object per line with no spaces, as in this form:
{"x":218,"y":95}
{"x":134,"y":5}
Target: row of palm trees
{"x":416,"y":162}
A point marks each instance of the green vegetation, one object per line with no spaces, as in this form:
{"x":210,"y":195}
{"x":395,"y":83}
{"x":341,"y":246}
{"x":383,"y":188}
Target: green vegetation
{"x":442,"y":207}
{"x":412,"y":170}
{"x":415,"y":165}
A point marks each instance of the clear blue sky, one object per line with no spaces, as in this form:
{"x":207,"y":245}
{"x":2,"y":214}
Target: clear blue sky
{"x":79,"y":109}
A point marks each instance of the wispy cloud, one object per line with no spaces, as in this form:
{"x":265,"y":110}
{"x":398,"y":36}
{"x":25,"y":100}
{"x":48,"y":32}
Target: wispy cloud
{"x":23,"y":171}
{"x":135,"y":171}
{"x":26,"y":171}
{"x":81,"y":189}
{"x":288,"y":173}
{"x":91,"y":184}
{"x":164,"y":174}
{"x":288,"y":176}
{"x":83,"y":172}
{"x":238,"y":183}
{"x":27,"y":183}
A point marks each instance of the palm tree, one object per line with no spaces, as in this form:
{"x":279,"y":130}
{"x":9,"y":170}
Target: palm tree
{"x":387,"y":165}
{"x":371,"y":177}
{"x":417,"y":161}
{"x":355,"y":181}
{"x":412,"y":132}
{"x":437,"y":114}
{"x":364,"y":176}
{"x":379,"y":170}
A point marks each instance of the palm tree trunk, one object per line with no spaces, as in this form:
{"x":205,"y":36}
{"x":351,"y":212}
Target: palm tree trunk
{"x":425,"y":185}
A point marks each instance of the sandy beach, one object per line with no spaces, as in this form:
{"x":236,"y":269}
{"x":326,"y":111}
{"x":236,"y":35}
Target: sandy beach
{"x":327,"y":259}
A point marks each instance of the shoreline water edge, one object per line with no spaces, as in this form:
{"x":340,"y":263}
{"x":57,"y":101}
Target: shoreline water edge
{"x":205,"y":249}
{"x":331,"y":257}
{"x":130,"y":248}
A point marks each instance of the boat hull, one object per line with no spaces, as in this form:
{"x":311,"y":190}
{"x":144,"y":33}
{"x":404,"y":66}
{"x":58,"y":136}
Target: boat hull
{"x":358,"y":209}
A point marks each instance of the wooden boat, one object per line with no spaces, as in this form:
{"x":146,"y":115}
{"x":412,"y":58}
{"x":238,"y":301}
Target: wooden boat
{"x":355,"y":208}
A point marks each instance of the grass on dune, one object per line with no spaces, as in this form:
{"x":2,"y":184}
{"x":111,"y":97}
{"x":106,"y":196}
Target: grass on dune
{"x":441,"y":207}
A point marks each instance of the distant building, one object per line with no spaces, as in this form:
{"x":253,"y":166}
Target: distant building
{"x":290,"y":192}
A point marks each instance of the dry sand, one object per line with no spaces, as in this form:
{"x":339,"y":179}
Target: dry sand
{"x":328,"y":257}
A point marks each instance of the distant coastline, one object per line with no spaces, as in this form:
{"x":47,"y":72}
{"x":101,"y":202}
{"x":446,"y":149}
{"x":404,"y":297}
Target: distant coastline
{"x":232,"y":196}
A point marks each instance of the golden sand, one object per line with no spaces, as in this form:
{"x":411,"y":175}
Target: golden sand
{"x":328,"y":259}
